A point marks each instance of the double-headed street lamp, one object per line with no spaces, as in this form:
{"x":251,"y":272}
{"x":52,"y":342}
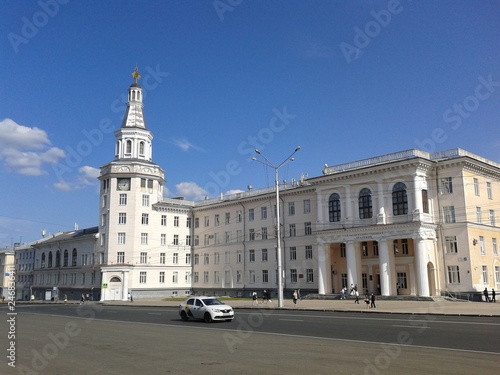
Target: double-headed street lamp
{"x":278,"y":235}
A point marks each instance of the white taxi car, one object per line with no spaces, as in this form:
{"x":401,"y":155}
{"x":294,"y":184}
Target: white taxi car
{"x":208,"y":309}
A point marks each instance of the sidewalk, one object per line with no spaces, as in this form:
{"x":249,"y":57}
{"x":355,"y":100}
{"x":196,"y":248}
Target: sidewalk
{"x":383,"y":306}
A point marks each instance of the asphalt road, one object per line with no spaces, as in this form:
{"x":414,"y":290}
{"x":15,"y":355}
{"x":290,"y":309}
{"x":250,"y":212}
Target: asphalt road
{"x":94,"y":339}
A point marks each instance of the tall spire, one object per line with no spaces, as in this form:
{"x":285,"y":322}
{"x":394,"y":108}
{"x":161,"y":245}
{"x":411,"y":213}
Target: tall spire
{"x":134,"y":118}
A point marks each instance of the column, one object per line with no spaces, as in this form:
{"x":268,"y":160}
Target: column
{"x":322,"y":269}
{"x":348,"y":206}
{"x":421,"y":267}
{"x":385,"y":267}
{"x":380,"y":211}
{"x":417,"y":199}
{"x":353,"y":262}
{"x":125,"y":285}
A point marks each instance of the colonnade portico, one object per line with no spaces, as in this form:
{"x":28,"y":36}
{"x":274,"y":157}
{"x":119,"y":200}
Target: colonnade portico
{"x":377,"y":271}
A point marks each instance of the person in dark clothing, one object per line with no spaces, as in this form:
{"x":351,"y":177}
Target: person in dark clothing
{"x":372,"y":298}
{"x":493,"y":294}
{"x":485,"y":292}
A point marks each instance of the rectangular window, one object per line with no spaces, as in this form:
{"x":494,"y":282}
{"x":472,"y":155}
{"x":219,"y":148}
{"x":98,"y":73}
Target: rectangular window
{"x":494,"y":246}
{"x":145,"y":219}
{"x":120,"y":257}
{"x":488,"y":190}
{"x":478,"y":215}
{"x":187,"y":279}
{"x":188,"y":258}
{"x":207,"y":221}
{"x":227,"y":236}
{"x":264,"y":255}
{"x":196,"y":222}
{"x":293,"y":253}
{"x":196,"y":240}
{"x":251,"y":234}
{"x":453,"y":275}
{"x":307,"y":206}
{"x":238,"y":276}
{"x":145,"y":200}
{"x":122,"y":200}
{"x":476,"y":187}
{"x":265,"y":276}
{"x":217,"y":219}
{"x":176,"y":221}
{"x":144,"y":257}
{"x":121,"y":238}
{"x":375,"y":248}
{"x":104,"y":219}
{"x":227,"y":257}
{"x":364,"y":280}
{"x":263,"y":213}
{"x":251,"y":277}
{"x":485,"y":275}
{"x":227,"y":218}
{"x":310,"y":275}
{"x":293,"y":230}
{"x":239,"y":257}
{"x":175,"y":277}
{"x":482,"y":247}
{"x":188,"y":240}
{"x":122,"y":218}
{"x":402,"y":280}
{"x":497,"y":275}
{"x":142,"y":277}
{"x":216,"y":277}
{"x":263,"y":233}
{"x":293,"y":275}
{"x":162,"y":258}
{"x":205,"y":277}
{"x":188,"y":222}
{"x":492,"y":218}
{"x":216,"y":258}
{"x":175,"y":258}
{"x":364,"y":249}
{"x":239,"y":216}
{"x":451,"y":244}
{"x":176,"y":239}
{"x":446,"y":185}
{"x":144,"y":238}
{"x":308,"y":228}
{"x":291,"y":208}
{"x":206,"y":259}
{"x":425,"y":201}
{"x":251,"y":255}
{"x":196,"y":277}
{"x":309,"y":252}
{"x":404,"y":246}
{"x":163,"y":220}
{"x":196,"y":258}
{"x":163,"y":239}
{"x":449,"y":214}
{"x":342,"y":250}
{"x":162,"y":277}
{"x":251,"y":214}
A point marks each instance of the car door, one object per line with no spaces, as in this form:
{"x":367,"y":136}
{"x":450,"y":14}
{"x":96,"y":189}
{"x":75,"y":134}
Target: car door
{"x":198,"y":309}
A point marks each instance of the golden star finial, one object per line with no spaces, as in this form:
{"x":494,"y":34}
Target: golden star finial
{"x":136,"y":75}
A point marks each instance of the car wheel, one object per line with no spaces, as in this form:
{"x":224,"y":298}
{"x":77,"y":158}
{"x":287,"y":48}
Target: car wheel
{"x":184,"y":316}
{"x":208,"y":318}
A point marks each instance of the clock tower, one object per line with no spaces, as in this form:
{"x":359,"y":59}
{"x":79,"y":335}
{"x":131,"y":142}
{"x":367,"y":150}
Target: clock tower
{"x":130,"y":185}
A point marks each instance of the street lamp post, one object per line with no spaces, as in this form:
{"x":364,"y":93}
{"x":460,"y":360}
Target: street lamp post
{"x":278,"y":229}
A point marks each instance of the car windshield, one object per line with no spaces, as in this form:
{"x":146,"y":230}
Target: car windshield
{"x":212,"y":301}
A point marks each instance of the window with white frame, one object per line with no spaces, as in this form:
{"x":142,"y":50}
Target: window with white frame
{"x":187,"y":277}
{"x":216,"y":277}
{"x":227,"y":219}
{"x":251,"y":234}
{"x":217,"y":219}
{"x":188,"y":240}
{"x":307,"y":206}
{"x":494,"y":246}
{"x":207,"y":221}
{"x":145,"y":219}
{"x":264,"y":255}
{"x":144,"y":257}
{"x":196,"y":258}
{"x":263,"y":233}
{"x":492,"y":218}
{"x":485,"y":275}
{"x":227,"y":257}
{"x":449,"y":214}
{"x":265,"y":276}
{"x":476,"y":186}
{"x":446,"y":185}
{"x":238,"y":276}
{"x":142,"y":277}
{"x":309,"y":252}
{"x":196,"y":240}
{"x":122,"y":218}
{"x":291,"y":208}
{"x":121,"y":238}
{"x":293,"y":230}
{"x":163,"y":221}
{"x":451,"y":244}
{"x":205,"y":277}
{"x":144,"y":238}
{"x":104,"y":219}
{"x":145,"y":200}
{"x":342,"y":250}
{"x":239,"y":257}
{"x":176,"y":221}
{"x":188,"y":222}
{"x":206,"y":258}
{"x":175,"y":277}
{"x":293,"y":275}
{"x":161,"y":280}
{"x":122,"y":201}
{"x":364,"y":249}
{"x":251,"y":214}
{"x":120,"y":257}
{"x":497,"y":275}
{"x":453,"y":275}
{"x":251,"y":276}
{"x":163,"y":239}
{"x":175,"y":258}
{"x":216,"y":258}
{"x":404,"y":246}
{"x":251,"y":255}
{"x":196,"y":277}
{"x":263,"y":213}
{"x":162,"y":258}
{"x":488,"y":190}
{"x":309,"y":275}
{"x":196,"y":222}
{"x":307,"y":228}
{"x":293,"y":253}
{"x":482,"y":246}
{"x":239,"y":216}
{"x":188,"y":258}
{"x":375,"y":248}
{"x":478,"y":215}
{"x":401,"y":279}
{"x":176,"y":239}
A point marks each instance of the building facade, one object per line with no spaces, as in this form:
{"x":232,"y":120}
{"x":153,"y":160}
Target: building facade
{"x":8,"y":274}
{"x":408,"y":223}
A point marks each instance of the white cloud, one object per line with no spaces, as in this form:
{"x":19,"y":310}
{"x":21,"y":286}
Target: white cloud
{"x":64,"y":186}
{"x":25,"y":150}
{"x":190,"y":191}
{"x":87,"y":177}
{"x":185,"y":145}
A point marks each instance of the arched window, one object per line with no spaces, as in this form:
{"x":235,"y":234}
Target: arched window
{"x":115,"y":279}
{"x":129,"y":147}
{"x":43,"y":261}
{"x":141,"y":148}
{"x":365,"y":204}
{"x":117,"y":150}
{"x":399,"y":199}
{"x":58,"y":258}
{"x":50,"y":260}
{"x":65,"y":258}
{"x":334,"y":207}
{"x":73,"y":258}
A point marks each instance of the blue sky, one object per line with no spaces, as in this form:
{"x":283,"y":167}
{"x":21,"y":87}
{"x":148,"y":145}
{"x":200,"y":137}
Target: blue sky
{"x":345,"y":80}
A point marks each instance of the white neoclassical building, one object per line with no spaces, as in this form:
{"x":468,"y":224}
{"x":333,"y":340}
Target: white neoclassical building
{"x":409,"y":223}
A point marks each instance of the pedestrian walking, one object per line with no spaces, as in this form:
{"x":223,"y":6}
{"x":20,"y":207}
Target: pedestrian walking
{"x":82,"y":299}
{"x":485,"y":292}
{"x":264,"y":296}
{"x":493,"y":294}
{"x":372,"y":305}
{"x":367,"y":300}
{"x":131,"y":297}
{"x":65,"y":298}
{"x":254,"y":298}
{"x":295,"y":297}
{"x":298,"y":295}
{"x":356,"y":294}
